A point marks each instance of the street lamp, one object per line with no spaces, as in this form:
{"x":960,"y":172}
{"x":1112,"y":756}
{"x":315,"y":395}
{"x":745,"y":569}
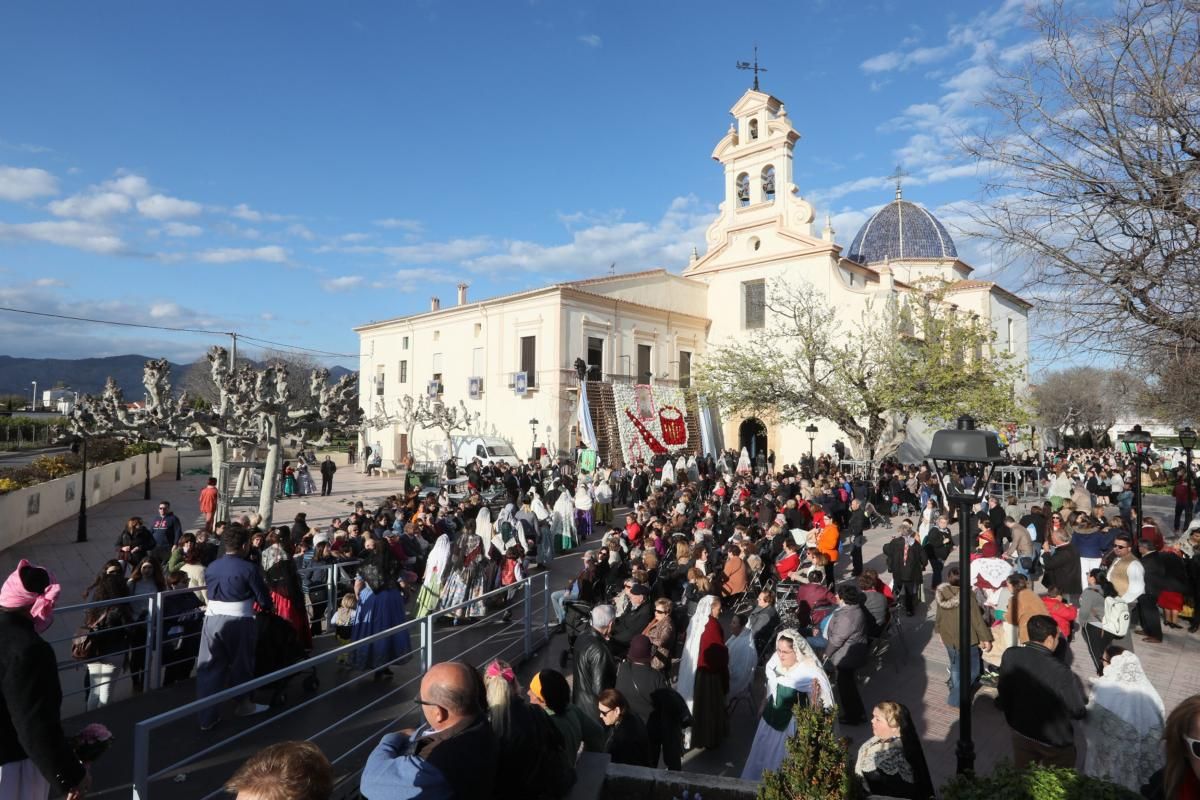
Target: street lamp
{"x":33,"y":397}
{"x":1187,"y":440}
{"x":533,"y":423}
{"x":811,"y":430}
{"x":81,"y":530}
{"x":178,"y":463}
{"x":955,"y":456}
{"x":1136,"y":442}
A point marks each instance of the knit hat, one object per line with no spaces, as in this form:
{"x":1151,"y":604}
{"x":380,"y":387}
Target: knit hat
{"x":552,"y":689}
{"x":639,"y":649}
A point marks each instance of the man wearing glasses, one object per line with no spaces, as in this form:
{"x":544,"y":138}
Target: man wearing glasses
{"x":452,"y":756}
{"x":166,"y":529}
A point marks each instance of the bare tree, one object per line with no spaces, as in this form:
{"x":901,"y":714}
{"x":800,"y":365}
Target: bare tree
{"x":1083,"y":401}
{"x":1095,"y":174}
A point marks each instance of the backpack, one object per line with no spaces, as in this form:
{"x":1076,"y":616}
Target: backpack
{"x":1116,"y":617}
{"x":83,"y":644}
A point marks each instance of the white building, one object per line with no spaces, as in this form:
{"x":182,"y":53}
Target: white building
{"x":644,"y":329}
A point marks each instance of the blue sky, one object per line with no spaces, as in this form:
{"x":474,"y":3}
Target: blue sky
{"x":290,"y":170}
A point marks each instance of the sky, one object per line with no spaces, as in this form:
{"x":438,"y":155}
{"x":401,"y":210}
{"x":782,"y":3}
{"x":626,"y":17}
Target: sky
{"x":289,"y":170}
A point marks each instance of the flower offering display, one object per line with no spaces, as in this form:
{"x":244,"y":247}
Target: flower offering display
{"x":651,"y":420}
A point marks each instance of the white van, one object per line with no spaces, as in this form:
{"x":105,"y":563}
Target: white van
{"x":488,"y":449}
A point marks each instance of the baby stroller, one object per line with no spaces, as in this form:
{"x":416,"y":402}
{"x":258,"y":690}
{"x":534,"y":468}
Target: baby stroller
{"x":875,"y":519}
{"x":577,"y":620}
{"x":278,"y":646}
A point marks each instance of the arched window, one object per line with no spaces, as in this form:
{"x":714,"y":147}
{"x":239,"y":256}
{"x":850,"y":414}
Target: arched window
{"x":768,"y":183}
{"x":743,"y":190}
{"x":753,"y":129}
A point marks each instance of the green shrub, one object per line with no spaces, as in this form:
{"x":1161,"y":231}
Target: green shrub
{"x":817,"y":765}
{"x":1034,"y":783}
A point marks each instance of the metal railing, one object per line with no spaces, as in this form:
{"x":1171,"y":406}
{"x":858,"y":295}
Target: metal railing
{"x":341,"y":735}
{"x":153,"y":646}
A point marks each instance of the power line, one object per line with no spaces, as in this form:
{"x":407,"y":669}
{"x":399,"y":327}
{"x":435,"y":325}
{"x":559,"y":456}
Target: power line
{"x":208,"y":331}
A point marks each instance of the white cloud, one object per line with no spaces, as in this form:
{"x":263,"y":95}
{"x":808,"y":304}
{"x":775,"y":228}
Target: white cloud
{"x":424,"y":252}
{"x":591,"y":40}
{"x":160,"y":206}
{"x":245,"y":212}
{"x":182,"y":229}
{"x":87,"y":236}
{"x":266,"y":316}
{"x":395,"y":223}
{"x":128,"y":184}
{"x":161,"y":310}
{"x":354,"y":237}
{"x":408,"y":280}
{"x":300,"y":231}
{"x":229,"y":255}
{"x":342,"y":284}
{"x":49,"y":282}
{"x":26,"y":183}
{"x":91,"y":205}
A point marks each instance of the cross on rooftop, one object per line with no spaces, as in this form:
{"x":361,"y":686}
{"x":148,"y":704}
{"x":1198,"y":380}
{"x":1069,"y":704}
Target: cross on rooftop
{"x":898,"y":175}
{"x":753,"y":66}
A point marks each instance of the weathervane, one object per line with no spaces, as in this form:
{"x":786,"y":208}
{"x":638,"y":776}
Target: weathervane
{"x":755,"y":67}
{"x":898,"y":175}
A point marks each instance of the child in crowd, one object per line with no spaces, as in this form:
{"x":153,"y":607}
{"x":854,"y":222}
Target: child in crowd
{"x":343,"y":623}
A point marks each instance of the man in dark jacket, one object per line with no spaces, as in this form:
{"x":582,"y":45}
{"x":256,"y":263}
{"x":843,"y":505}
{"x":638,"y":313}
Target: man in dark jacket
{"x":451,"y":757}
{"x":327,"y":470}
{"x":1040,"y":698}
{"x":637,"y":616}
{"x":167,"y":529}
{"x":595,"y":669}
{"x":1060,"y":560}
{"x":856,"y":526}
{"x":652,"y":700}
{"x":906,"y":561}
{"x":938,"y":544}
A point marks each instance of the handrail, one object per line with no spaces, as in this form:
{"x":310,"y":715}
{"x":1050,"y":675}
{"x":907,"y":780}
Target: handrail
{"x":524,"y":591}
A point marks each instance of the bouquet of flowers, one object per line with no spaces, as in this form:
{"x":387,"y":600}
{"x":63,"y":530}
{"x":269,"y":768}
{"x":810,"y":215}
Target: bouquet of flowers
{"x":91,"y":742}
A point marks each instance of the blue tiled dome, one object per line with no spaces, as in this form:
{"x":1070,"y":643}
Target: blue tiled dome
{"x":901,"y":230}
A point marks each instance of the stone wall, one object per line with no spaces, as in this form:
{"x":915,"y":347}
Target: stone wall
{"x":31,"y":510}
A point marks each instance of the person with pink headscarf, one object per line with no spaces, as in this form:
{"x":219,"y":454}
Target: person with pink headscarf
{"x":34,"y":751}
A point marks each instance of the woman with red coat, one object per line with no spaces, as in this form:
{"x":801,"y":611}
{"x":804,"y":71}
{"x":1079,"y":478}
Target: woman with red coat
{"x":790,"y":562}
{"x":704,"y":675}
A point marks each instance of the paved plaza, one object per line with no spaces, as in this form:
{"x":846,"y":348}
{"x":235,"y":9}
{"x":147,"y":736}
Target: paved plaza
{"x":913,"y":674}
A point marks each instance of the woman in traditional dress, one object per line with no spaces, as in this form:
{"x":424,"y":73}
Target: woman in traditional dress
{"x":583,"y":512}
{"x":380,"y":607}
{"x":891,"y":762}
{"x":545,"y":542}
{"x":668,"y":472}
{"x":793,"y":676}
{"x":289,"y":479}
{"x":704,"y":675}
{"x":743,"y":463}
{"x":284,"y":583}
{"x":468,"y":575}
{"x":562,"y":523}
{"x":435,"y":574}
{"x":36,"y":754}
{"x":1124,"y":726}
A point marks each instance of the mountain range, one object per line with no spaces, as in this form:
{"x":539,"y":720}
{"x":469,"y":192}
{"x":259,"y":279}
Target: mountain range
{"x":88,"y":375}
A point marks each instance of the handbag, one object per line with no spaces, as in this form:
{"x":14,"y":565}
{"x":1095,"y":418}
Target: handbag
{"x":83,"y":646}
{"x":1116,"y":617}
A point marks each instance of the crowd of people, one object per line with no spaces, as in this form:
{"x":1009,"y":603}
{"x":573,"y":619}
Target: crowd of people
{"x":720,"y":579}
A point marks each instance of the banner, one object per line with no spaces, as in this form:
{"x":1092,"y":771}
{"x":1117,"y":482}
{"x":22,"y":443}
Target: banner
{"x":583,"y":417}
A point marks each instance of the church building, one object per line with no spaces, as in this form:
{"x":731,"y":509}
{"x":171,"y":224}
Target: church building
{"x":511,"y":359}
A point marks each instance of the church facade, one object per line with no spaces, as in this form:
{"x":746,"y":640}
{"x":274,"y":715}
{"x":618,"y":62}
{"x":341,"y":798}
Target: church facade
{"x":511,"y":359}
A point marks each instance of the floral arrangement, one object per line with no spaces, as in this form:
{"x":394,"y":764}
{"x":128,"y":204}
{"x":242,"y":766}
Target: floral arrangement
{"x":91,"y":742}
{"x":650,"y":420}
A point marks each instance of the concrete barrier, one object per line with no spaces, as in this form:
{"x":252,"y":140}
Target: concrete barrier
{"x":31,"y":510}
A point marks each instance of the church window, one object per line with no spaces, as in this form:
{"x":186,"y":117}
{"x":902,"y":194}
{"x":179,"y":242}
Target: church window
{"x":768,"y":183}
{"x":743,"y":190}
{"x":685,"y":369}
{"x":478,"y":329}
{"x":753,"y":129}
{"x":379,"y":380}
{"x":595,"y":357}
{"x":404,"y":343}
{"x":437,"y":371}
{"x":1011,"y":345}
{"x":403,"y":372}
{"x":644,"y":371}
{"x":529,"y":359}
{"x":754,"y":304}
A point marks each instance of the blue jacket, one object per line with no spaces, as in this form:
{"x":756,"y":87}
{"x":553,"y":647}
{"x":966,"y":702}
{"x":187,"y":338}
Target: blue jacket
{"x":166,"y":529}
{"x":232,"y":579}
{"x":457,"y":763}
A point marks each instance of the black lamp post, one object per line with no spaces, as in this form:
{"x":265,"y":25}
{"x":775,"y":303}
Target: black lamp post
{"x":533,"y":423}
{"x":146,"y":482}
{"x":811,"y":430}
{"x":81,"y":530}
{"x":178,"y":463}
{"x":1187,"y":440}
{"x":956,"y":455}
{"x":1136,"y":442}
